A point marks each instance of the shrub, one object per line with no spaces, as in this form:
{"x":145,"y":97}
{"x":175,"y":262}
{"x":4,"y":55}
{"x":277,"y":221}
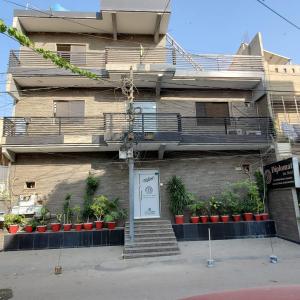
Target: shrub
{"x":179,"y":198}
{"x":11,"y":219}
{"x":67,"y":210}
{"x":92,"y":184}
{"x":99,"y":206}
{"x":214,"y":206}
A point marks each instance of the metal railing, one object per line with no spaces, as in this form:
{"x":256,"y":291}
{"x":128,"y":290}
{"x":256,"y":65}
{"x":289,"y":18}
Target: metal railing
{"x":36,"y":126}
{"x":162,"y":127}
{"x":28,"y":58}
{"x":159,"y":56}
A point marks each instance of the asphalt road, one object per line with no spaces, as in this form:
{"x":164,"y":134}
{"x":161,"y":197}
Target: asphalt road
{"x":100,"y":273}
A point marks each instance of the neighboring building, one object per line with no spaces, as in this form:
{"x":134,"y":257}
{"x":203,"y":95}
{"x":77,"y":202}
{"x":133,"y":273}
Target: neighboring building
{"x":202,"y":117}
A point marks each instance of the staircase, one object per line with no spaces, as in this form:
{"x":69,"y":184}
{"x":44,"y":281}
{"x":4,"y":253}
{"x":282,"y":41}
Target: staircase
{"x":152,"y":238}
{"x":188,"y":57}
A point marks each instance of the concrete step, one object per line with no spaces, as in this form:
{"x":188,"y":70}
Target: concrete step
{"x":151,"y":235}
{"x":152,"y":239}
{"x":150,"y":230}
{"x":151,"y":249}
{"x":149,"y":254}
{"x":151,"y":226}
{"x":150,"y":244}
{"x":150,"y":221}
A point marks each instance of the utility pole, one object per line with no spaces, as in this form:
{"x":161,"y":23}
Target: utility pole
{"x":129,"y":147}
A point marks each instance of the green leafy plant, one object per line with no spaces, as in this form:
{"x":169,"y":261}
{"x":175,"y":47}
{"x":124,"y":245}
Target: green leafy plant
{"x":10,"y":219}
{"x":44,"y":216}
{"x":214,"y":206}
{"x":77,"y":212}
{"x":92,"y":184}
{"x":194,"y":208}
{"x":113,"y":208}
{"x":67,"y":210}
{"x":233,"y":202}
{"x":203,"y":208}
{"x":249,"y":195}
{"x":31,"y":222}
{"x":179,"y":197}
{"x":99,"y":206}
{"x":111,"y":217}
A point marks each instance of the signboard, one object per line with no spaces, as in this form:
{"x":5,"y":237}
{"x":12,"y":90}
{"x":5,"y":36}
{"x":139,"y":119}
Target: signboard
{"x":282,"y":174}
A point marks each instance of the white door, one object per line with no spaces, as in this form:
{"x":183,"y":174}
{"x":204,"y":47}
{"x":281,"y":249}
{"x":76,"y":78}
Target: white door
{"x":147,"y":121}
{"x":146,"y":194}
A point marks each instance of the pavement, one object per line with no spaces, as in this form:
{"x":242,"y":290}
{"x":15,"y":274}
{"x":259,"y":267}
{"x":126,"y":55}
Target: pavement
{"x":100,"y":273}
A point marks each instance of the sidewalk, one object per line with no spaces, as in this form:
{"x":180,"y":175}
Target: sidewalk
{"x":100,"y":273}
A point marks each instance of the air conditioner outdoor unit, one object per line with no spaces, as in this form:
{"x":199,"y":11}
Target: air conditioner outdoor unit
{"x":235,"y":131}
{"x":253,"y":132}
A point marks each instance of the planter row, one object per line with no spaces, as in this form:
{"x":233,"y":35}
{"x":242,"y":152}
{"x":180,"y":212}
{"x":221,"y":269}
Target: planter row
{"x":56,"y":227}
{"x":224,"y":219}
{"x":61,"y":239}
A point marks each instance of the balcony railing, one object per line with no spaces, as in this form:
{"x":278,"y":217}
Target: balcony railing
{"x":166,"y":127}
{"x":156,"y":56}
{"x":39,"y":126}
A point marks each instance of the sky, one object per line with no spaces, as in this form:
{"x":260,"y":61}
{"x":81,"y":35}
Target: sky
{"x":211,"y":26}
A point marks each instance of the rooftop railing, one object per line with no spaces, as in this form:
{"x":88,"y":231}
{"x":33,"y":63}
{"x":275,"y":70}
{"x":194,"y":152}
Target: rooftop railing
{"x":153,"y":56}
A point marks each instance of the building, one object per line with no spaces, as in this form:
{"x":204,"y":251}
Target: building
{"x":204,"y":118}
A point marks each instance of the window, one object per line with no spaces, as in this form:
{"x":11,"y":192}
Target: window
{"x":72,"y":108}
{"x":64,"y":51}
{"x":75,"y":54}
{"x":30,"y":184}
{"x":206,"y":110}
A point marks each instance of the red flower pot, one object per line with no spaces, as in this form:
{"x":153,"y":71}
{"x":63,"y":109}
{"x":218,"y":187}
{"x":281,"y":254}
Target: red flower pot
{"x":41,"y":228}
{"x":204,"y":219}
{"x":67,"y":227}
{"x":55,"y":227}
{"x":248,"y":216}
{"x":99,"y":224}
{"x":111,"y":225}
{"x":179,"y":219}
{"x":13,"y":229}
{"x":214,"y":219}
{"x":264,"y":216}
{"x":225,"y":219}
{"x":195,"y":220}
{"x":236,"y":218}
{"x":87,"y":226}
{"x":78,"y":227}
{"x":28,"y":228}
{"x":257,"y":217}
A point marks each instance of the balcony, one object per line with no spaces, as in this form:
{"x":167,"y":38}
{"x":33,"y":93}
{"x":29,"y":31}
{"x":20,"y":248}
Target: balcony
{"x":178,"y":69}
{"x":150,"y":131}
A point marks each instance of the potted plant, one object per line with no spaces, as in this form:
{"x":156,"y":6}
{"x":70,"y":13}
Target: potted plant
{"x":194,"y":208}
{"x":224,"y":211}
{"x":179,"y":198}
{"x":88,"y":225}
{"x":30,"y":225}
{"x":42,"y":223}
{"x":99,"y":207}
{"x":110,"y":220}
{"x":203,"y":211}
{"x":77,"y":212}
{"x":55,"y":227}
{"x":13,"y":222}
{"x":67,"y":213}
{"x":262,"y":187}
{"x":233,"y":204}
{"x":214,"y":208}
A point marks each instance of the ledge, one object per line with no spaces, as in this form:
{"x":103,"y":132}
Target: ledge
{"x":224,"y":231}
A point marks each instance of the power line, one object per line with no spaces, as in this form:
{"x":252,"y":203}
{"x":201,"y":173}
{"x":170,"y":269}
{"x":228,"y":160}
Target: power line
{"x":278,"y":14}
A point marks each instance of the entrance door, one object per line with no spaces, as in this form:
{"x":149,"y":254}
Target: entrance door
{"x":146,"y":122}
{"x":146,"y":194}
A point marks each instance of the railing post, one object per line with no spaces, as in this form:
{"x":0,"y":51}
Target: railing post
{"x":179,"y":123}
{"x":59,"y":125}
{"x":106,"y":56}
{"x":225,"y":125}
{"x":143,"y":124}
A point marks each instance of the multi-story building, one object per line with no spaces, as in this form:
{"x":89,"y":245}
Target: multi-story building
{"x":200,"y":117}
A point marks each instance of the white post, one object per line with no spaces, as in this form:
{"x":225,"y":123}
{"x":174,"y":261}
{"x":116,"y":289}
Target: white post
{"x":131,"y":198}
